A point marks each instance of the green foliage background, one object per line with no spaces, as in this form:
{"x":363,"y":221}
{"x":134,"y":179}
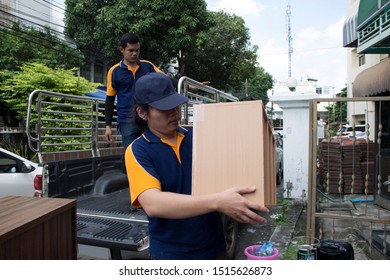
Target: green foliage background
{"x":16,"y":86}
{"x":208,"y":46}
{"x":337,"y":113}
{"x":19,"y":45}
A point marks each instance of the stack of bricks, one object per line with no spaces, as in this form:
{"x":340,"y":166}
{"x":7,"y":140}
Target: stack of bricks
{"x":331,"y":166}
{"x":347,"y":166}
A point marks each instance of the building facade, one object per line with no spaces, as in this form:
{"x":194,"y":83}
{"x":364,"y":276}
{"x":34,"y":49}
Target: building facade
{"x":36,"y":14}
{"x":50,"y":13}
{"x":367,"y":37}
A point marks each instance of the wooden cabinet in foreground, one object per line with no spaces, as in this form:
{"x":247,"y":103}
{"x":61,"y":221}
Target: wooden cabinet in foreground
{"x":34,"y":228}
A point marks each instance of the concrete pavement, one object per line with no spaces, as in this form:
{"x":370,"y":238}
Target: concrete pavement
{"x":357,"y":233}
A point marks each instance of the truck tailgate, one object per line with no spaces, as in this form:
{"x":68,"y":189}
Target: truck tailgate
{"x":111,"y":222}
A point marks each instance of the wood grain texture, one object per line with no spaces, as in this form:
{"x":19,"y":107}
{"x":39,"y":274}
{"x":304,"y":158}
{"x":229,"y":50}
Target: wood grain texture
{"x":234,"y":146}
{"x":37,"y":228}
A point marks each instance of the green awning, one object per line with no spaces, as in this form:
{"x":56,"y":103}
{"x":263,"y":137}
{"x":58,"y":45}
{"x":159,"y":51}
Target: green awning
{"x":373,"y":22}
{"x":369,"y":9}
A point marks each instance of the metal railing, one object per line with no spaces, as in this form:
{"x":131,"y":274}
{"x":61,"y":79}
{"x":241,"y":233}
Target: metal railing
{"x":374,"y":29}
{"x":61,"y":126}
{"x":65,"y":126}
{"x":198,"y":92}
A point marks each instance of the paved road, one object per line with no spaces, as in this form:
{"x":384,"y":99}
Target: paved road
{"x":250,"y":235}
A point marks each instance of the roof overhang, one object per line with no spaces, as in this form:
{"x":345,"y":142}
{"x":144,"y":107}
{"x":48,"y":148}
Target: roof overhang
{"x":350,"y":37}
{"x":373,"y":81}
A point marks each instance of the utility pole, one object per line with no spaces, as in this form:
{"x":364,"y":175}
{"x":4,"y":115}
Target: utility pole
{"x":289,"y":37}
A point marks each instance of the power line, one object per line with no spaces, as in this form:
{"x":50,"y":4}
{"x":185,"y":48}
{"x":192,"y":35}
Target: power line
{"x":33,"y":39}
{"x":30,"y":8}
{"x":50,"y":3}
{"x":302,"y":51}
{"x":32,"y":22}
{"x":28,"y":15}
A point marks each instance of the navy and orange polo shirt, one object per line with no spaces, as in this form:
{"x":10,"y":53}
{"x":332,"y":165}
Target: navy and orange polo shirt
{"x":154,"y":163}
{"x":120,"y":83}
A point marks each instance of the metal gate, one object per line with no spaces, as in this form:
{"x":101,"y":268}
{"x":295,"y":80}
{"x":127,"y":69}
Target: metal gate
{"x":349,"y":174}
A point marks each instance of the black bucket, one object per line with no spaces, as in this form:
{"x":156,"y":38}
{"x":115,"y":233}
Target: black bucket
{"x":334,"y":250}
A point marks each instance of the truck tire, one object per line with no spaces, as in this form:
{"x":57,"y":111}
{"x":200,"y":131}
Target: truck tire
{"x":230,"y":227}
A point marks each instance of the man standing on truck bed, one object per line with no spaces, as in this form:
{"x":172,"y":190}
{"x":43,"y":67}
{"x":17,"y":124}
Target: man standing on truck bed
{"x":120,"y":83}
{"x":159,"y":168}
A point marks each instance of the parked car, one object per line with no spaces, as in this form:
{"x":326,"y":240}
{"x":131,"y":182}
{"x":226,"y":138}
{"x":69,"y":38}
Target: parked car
{"x":278,"y":130}
{"x":279,"y":157}
{"x":346,"y":130}
{"x":358,"y":135}
{"x":18,"y":176}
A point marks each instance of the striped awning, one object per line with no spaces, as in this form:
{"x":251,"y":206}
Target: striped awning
{"x":373,"y":81}
{"x":349,"y":32}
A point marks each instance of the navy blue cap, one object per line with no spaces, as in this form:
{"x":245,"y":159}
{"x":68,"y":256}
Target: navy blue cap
{"x":156,"y":90}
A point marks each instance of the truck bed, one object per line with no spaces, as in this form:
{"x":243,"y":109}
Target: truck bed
{"x":111,"y":223}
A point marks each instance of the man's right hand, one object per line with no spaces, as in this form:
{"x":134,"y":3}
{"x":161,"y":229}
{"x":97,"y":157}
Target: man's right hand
{"x":108,"y":134}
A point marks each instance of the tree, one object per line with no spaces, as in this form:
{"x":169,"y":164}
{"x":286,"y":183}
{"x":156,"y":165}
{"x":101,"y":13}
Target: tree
{"x":223,"y":55}
{"x":26,"y":58}
{"x":337,"y":112}
{"x":15,"y":86}
{"x":256,"y":87}
{"x":166,"y":28}
{"x":208,"y":46}
{"x":19,"y":45}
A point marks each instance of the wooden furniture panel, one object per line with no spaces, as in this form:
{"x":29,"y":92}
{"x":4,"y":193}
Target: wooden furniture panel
{"x":37,"y":228}
{"x":234,"y":146}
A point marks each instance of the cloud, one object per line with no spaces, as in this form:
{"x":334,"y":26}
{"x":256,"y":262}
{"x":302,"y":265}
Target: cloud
{"x":307,"y":38}
{"x":243,"y":8}
{"x":274,"y":59}
{"x":317,"y":49}
{"x":319,"y":54}
{"x":335,"y":31}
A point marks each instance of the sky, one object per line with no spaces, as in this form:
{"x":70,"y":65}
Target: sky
{"x":316,"y":31}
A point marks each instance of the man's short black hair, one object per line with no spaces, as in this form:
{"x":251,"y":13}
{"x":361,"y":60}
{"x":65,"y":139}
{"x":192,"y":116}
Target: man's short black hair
{"x":129,"y":38}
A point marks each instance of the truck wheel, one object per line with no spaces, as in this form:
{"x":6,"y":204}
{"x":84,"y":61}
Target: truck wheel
{"x":230,"y":229}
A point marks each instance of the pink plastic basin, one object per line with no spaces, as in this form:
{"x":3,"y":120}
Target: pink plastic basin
{"x":250,"y":253}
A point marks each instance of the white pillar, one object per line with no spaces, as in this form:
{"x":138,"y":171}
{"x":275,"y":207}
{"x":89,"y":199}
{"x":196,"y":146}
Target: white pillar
{"x":296,"y":123}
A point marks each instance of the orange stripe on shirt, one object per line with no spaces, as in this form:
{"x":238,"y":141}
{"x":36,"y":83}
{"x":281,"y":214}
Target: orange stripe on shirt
{"x":154,"y":66}
{"x":140,"y":180}
{"x":110,"y":90}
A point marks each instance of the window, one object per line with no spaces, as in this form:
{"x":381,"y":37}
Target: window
{"x":326,"y":90}
{"x":362,"y":60}
{"x":8,"y":165}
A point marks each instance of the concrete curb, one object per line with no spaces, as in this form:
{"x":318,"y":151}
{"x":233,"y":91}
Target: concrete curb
{"x":282,"y":235}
